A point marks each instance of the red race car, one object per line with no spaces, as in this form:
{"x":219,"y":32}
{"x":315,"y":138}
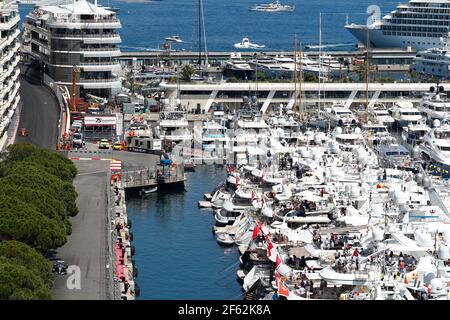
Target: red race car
{"x":23,"y":132}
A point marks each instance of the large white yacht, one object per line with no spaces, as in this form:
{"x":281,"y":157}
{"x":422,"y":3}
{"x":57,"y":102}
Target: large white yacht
{"x":237,"y":67}
{"x":435,"y":148}
{"x":433,"y":62}
{"x":418,"y":24}
{"x":434,"y":106}
{"x":405,"y":113}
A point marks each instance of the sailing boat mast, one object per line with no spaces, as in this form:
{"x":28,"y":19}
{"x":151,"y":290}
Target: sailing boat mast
{"x":320,"y":54}
{"x":204,"y":32}
{"x":199,"y":33}
{"x":295,"y":75}
{"x":367,"y":75}
{"x":300,"y":83}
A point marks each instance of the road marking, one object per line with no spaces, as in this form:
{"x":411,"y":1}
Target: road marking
{"x":89,"y":173}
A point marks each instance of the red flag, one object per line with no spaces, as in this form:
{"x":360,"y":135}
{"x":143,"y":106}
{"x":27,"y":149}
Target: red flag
{"x":269,"y":249}
{"x":255,"y":232}
{"x":262,"y":202}
{"x":253,"y":196}
{"x":277,"y":278}
{"x":278,"y":262}
{"x":282,"y":290}
{"x":237,"y":181}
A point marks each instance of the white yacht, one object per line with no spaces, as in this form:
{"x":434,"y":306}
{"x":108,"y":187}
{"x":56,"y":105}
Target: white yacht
{"x":433,"y":62}
{"x":413,"y":134}
{"x":339,"y":115}
{"x":434,"y":106}
{"x":380,"y":114}
{"x":173,"y":126}
{"x":418,"y":24}
{"x":274,"y":68}
{"x":436,"y":146}
{"x":405,"y":113}
{"x":237,"y":67}
{"x":174,"y":39}
{"x":246,"y":44}
{"x":275,"y":6}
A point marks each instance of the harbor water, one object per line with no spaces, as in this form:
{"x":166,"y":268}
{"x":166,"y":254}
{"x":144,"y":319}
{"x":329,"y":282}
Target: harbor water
{"x":145,"y":23}
{"x":176,"y":252}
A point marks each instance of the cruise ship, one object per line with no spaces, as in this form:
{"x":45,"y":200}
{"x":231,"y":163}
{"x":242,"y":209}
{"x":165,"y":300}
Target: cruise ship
{"x":9,"y":71}
{"x":81,"y":34}
{"x":418,"y":24}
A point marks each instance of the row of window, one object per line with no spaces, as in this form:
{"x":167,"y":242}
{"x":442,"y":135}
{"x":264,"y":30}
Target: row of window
{"x":414,"y":34}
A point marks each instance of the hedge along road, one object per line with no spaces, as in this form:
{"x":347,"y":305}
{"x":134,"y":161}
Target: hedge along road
{"x":40,"y":111}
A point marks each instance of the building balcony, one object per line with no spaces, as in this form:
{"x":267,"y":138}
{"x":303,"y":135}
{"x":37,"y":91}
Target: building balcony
{"x":4,"y":42}
{"x":100,"y":66}
{"x":97,"y":83}
{"x":83,"y":24}
{"x":11,"y":23}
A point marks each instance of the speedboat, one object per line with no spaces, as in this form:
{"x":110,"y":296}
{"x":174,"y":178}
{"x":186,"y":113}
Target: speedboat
{"x":174,"y":39}
{"x":246,"y":44}
{"x":146,"y":192}
{"x":224,"y":239}
{"x":272,"y":7}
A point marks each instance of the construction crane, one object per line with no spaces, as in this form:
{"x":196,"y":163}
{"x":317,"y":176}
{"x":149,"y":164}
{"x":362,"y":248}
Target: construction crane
{"x":75,"y":71}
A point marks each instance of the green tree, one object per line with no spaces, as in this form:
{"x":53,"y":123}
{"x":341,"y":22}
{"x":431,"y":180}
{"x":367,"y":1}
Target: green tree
{"x":22,"y":222}
{"x":20,"y":253}
{"x":19,"y":283}
{"x":187,"y":71}
{"x":308,"y":77}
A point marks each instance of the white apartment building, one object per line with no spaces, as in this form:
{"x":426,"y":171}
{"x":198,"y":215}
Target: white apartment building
{"x":77,"y":34}
{"x":9,"y":68}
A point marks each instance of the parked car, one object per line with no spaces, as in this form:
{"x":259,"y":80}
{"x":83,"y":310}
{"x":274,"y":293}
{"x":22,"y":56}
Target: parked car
{"x":103,"y":144}
{"x":117,"y":145}
{"x":77,"y":139}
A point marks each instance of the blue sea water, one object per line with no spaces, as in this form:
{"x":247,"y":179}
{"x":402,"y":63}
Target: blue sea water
{"x":176,"y":254}
{"x":146,"y":23}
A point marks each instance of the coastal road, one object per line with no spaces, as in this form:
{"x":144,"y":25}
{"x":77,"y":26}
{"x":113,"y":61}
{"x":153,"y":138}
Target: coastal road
{"x":86,"y":246}
{"x":40,"y":111}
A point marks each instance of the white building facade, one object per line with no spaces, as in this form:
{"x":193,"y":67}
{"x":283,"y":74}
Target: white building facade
{"x":9,"y":69}
{"x":79,"y":34}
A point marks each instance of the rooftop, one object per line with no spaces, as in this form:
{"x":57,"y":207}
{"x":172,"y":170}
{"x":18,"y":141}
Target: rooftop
{"x":79,"y":7}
